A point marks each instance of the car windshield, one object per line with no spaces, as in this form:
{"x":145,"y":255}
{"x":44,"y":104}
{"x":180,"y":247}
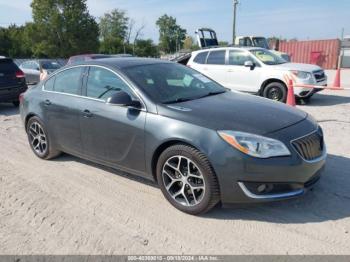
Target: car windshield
{"x":50,"y":65}
{"x":172,"y":83}
{"x":260,"y":42}
{"x":268,"y":57}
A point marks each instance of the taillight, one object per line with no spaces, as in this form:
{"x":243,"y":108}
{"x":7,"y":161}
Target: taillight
{"x":21,"y":98}
{"x":20,"y":74}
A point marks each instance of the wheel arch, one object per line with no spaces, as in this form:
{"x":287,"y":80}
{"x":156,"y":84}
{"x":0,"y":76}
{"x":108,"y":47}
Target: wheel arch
{"x":28,"y":116}
{"x":161,"y":148}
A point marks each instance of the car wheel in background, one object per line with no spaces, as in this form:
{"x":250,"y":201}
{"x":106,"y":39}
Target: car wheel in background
{"x":276,"y":91}
{"x":39,"y":140}
{"x":187,"y":179}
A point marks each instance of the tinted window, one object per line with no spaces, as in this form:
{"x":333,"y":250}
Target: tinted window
{"x":171,"y":83}
{"x":216,"y":58}
{"x":49,"y":84}
{"x":239,"y":58}
{"x":102,"y":84}
{"x":200,"y":58}
{"x":69,"y":81}
{"x":50,"y":65}
{"x":7,"y":65}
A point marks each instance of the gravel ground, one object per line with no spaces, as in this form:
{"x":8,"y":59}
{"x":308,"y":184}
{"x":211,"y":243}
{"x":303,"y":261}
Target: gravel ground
{"x":70,"y":206}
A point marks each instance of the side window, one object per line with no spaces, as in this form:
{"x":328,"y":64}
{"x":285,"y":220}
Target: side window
{"x":69,"y":81}
{"x":216,"y":58}
{"x":49,"y":84}
{"x":102,"y":84}
{"x":25,"y":65}
{"x":200,"y":58}
{"x":238,"y":58}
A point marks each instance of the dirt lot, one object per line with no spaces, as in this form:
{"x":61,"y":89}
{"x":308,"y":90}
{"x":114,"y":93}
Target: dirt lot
{"x":69,"y":206}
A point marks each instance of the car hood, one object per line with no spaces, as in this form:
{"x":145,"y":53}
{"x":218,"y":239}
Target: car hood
{"x":235,"y":111}
{"x":297,"y":66}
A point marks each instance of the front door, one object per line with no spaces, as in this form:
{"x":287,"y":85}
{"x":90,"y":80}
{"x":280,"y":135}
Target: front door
{"x":240,"y":77}
{"x":112,"y":134}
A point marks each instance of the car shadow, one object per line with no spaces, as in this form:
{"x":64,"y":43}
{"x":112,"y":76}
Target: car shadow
{"x":69,"y":158}
{"x":326,"y":100}
{"x":329,"y":200}
{"x":8,"y":109}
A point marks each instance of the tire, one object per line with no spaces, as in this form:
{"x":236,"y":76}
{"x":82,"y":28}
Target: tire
{"x":15,"y":103}
{"x":39,"y":140}
{"x":276,"y":91}
{"x":200,"y":189}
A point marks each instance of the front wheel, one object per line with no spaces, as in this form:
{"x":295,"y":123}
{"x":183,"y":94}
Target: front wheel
{"x":187,"y":179}
{"x":276,"y":91}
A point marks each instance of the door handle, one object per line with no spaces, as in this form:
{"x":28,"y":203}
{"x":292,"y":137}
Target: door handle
{"x":87,"y":113}
{"x":47,"y":102}
{"x":230,"y":71}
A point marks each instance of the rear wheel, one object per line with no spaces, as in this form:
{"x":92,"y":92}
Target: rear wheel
{"x":276,"y":91}
{"x":187,"y":179}
{"x":39,"y":140}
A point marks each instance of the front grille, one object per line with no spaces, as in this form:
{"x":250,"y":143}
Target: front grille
{"x":310,"y":147}
{"x":320,"y":76}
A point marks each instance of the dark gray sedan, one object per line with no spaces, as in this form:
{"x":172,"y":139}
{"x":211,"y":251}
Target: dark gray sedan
{"x":166,"y":122}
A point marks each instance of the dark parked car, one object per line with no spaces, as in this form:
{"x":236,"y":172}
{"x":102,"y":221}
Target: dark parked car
{"x":88,"y":57}
{"x":33,"y":68}
{"x":12,"y":81}
{"x":166,"y":122}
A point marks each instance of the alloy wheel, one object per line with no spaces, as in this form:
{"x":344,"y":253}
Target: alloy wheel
{"x":183,"y":181}
{"x":37,"y":138}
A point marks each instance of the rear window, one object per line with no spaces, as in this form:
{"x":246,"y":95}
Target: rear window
{"x":201,"y":58}
{"x":7,"y":65}
{"x":216,"y":58}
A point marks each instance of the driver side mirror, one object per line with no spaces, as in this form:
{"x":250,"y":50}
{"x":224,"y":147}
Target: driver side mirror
{"x":249,"y":64}
{"x":122,"y":98}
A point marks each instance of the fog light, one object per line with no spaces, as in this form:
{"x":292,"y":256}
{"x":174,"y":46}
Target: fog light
{"x":262,"y":188}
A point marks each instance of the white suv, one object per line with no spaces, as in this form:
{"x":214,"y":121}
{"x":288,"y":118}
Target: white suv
{"x":256,"y":70}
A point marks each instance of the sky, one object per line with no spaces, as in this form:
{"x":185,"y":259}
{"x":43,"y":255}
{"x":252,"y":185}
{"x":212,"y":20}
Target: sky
{"x":301,"y":19}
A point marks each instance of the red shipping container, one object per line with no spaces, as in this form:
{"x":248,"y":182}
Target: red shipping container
{"x":324,"y":53}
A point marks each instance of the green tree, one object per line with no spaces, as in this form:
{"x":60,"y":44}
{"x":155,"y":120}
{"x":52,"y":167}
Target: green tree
{"x":5,"y":42}
{"x":146,"y":48}
{"x":171,"y":35}
{"x":13,"y":42}
{"x":63,"y":28}
{"x":115,"y":32}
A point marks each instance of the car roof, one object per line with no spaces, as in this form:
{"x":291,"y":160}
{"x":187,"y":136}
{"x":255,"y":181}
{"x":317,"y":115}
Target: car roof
{"x":246,"y":48}
{"x":124,"y":62}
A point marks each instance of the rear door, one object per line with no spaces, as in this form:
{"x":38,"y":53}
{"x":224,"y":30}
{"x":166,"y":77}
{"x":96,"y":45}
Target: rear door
{"x":112,"y":134}
{"x":63,"y":105}
{"x":215,"y":66}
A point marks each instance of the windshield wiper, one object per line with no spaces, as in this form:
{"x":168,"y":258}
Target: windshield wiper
{"x":178,"y":100}
{"x":212,"y":94}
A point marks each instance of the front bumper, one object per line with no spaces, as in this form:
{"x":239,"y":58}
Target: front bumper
{"x":245,"y":179}
{"x":304,"y":92}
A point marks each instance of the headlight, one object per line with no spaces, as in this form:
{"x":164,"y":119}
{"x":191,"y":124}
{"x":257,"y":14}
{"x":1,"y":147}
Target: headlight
{"x":302,"y":75}
{"x":254,"y":145}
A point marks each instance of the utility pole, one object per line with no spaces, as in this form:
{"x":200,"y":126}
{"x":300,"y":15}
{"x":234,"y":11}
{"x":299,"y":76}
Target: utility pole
{"x":235,"y":3}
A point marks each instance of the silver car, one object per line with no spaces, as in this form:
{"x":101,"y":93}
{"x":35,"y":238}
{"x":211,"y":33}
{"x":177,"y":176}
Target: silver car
{"x":33,"y":68}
